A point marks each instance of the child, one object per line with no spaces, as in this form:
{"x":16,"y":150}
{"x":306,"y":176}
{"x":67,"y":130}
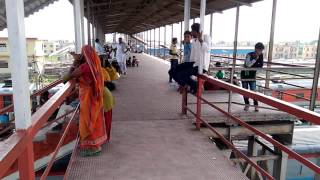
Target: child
{"x":220,"y":73}
{"x":135,"y":61}
{"x":129,"y":62}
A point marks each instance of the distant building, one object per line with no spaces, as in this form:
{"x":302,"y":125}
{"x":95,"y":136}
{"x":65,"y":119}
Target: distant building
{"x":309,"y":52}
{"x":50,"y":47}
{"x":34,"y":53}
{"x":286,"y":51}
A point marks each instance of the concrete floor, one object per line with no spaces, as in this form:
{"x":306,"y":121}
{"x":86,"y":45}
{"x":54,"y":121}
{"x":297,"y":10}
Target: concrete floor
{"x":150,"y":139}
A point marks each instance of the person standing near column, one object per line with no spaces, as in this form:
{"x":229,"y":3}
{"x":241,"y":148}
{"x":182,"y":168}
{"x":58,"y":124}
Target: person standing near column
{"x":121,"y":56}
{"x":174,"y":57}
{"x":100,"y":51}
{"x":253,"y":60}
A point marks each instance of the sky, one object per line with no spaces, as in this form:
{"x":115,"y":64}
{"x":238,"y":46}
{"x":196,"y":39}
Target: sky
{"x":295,"y":20}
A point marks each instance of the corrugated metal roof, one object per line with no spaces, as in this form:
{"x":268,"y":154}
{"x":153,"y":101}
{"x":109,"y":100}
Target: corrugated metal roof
{"x":133,"y":16}
{"x":31,"y":6}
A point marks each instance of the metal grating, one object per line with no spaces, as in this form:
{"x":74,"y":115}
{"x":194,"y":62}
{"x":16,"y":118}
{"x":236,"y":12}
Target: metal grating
{"x":150,"y":140}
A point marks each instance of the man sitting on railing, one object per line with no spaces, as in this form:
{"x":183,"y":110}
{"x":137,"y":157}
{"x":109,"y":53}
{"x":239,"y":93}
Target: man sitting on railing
{"x":253,"y":60}
{"x":200,"y":55}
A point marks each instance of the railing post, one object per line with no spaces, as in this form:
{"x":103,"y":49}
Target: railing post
{"x":26,"y":162}
{"x":199,"y":95}
{"x":280,"y":165}
{"x":184,"y":100}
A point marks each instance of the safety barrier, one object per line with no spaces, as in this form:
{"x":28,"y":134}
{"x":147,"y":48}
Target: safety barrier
{"x":273,"y":102}
{"x":18,"y":147}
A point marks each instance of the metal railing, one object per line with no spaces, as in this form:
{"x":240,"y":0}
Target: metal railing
{"x":33,"y":95}
{"x":273,"y":102}
{"x":18,"y":147}
{"x":274,"y":67}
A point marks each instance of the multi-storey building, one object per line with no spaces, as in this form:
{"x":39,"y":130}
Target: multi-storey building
{"x":34,"y":53}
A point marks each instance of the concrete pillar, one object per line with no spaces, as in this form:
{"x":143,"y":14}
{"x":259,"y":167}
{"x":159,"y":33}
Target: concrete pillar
{"x":186,"y":14}
{"x":77,"y":25}
{"x":20,"y":82}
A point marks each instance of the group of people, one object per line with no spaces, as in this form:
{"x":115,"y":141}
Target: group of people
{"x":196,"y":58}
{"x":121,"y":52}
{"x":196,"y":53}
{"x":96,"y":100}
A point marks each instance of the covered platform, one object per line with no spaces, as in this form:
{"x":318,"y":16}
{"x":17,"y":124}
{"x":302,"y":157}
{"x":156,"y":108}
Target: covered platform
{"x":150,"y":137}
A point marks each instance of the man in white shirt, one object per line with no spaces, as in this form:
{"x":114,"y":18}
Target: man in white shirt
{"x":200,"y":55}
{"x":121,"y":56}
{"x":100,"y":51}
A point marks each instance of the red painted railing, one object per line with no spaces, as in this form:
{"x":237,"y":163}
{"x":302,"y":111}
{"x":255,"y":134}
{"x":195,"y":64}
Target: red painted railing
{"x":276,"y":103}
{"x":36,"y":93}
{"x":18,"y":147}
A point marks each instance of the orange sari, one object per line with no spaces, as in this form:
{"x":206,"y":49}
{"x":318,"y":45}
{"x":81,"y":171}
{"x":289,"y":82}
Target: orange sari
{"x":92,"y":125}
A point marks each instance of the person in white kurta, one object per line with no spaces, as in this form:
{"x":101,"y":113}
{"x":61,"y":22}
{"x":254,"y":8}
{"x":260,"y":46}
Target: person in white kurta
{"x":200,"y":55}
{"x":121,"y":56}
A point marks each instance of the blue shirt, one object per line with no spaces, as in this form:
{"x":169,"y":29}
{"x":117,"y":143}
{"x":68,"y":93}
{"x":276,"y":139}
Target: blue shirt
{"x":186,"y":52}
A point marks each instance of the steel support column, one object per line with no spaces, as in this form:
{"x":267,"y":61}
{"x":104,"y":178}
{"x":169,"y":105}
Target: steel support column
{"x":154,"y":41}
{"x":202,"y":20}
{"x":150,"y":42}
{"x":93,"y":22}
{"x":186,"y":14}
{"x":271,"y":41}
{"x":82,"y":21}
{"x":88,"y":23}
{"x":171,"y":33}
{"x":199,"y":104}
{"x":315,"y":78}
{"x":20,"y":80}
{"x":211,"y":16}
{"x":235,"y":45}
{"x":77,"y":25}
{"x":159,"y":53}
{"x":165,"y":40}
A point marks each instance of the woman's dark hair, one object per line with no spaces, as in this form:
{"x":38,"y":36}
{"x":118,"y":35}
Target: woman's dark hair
{"x":195,"y":27}
{"x":218,"y":64}
{"x":187,"y":33}
{"x":97,"y":40}
{"x":259,"y":45}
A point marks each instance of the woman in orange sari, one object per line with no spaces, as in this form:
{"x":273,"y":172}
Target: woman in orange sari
{"x":92,"y":125}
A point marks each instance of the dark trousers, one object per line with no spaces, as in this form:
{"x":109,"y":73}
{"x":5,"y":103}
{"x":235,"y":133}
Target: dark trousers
{"x":252,"y":86}
{"x":177,"y":73}
{"x":186,"y":77}
{"x":174,"y":64}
